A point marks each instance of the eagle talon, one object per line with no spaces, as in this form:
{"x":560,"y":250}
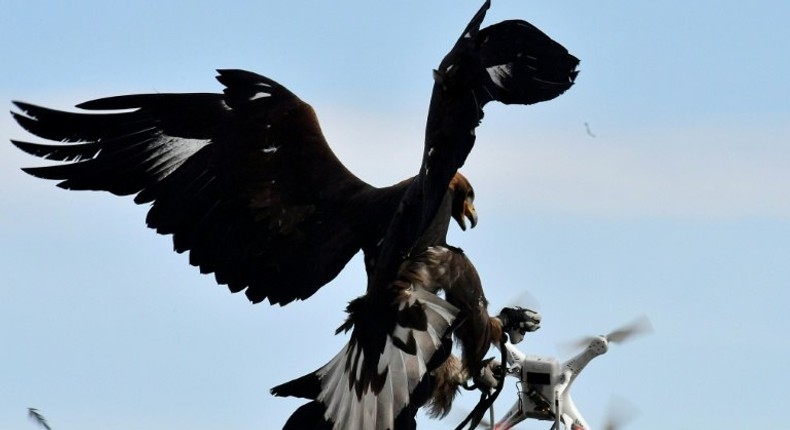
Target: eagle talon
{"x":518,"y":321}
{"x":490,"y":375}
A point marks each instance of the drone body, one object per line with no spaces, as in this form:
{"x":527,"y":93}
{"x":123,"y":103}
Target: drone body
{"x":545,"y":390}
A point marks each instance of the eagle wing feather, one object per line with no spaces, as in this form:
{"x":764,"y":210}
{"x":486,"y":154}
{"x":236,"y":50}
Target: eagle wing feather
{"x":244,"y":181}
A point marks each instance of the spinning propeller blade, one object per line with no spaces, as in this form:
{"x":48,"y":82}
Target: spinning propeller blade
{"x":571,"y":347}
{"x":619,"y":413}
{"x":526,"y":300}
{"x":641,"y":325}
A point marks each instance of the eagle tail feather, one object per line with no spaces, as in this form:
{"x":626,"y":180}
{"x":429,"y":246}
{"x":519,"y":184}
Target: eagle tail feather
{"x":366,"y":388}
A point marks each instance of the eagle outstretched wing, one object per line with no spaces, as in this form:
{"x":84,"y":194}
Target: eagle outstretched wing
{"x":511,"y":62}
{"x":244,"y":180}
{"x":246,"y":183}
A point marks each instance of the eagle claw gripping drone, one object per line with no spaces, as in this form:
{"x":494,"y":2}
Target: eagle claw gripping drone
{"x":517,"y":321}
{"x":545,"y":382}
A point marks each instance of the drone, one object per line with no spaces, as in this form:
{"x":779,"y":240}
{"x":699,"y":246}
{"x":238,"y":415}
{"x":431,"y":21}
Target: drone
{"x":545,"y":382}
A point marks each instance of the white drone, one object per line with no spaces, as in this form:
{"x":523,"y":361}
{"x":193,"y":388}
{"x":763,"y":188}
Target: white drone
{"x":545,"y":383}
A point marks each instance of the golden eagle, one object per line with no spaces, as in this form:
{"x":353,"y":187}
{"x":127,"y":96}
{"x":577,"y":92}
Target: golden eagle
{"x":246,"y":183}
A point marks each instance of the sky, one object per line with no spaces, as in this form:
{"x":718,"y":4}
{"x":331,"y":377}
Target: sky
{"x":675,"y":205}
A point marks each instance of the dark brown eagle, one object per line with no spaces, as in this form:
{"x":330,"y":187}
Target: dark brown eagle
{"x":246,"y":183}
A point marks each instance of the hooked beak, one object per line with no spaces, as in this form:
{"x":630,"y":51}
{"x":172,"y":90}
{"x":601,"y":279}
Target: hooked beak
{"x":469,"y":212}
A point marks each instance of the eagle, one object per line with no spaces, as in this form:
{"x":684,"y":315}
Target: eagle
{"x":245,"y":182}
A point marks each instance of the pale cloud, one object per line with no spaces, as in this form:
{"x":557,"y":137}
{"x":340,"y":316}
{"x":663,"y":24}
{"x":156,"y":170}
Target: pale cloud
{"x":727,"y":169}
{"x":709,"y":171}
{"x":379,"y":149}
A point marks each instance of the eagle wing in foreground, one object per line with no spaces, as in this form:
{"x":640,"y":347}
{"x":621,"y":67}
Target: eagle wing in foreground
{"x":244,"y":180}
{"x":512,"y":62}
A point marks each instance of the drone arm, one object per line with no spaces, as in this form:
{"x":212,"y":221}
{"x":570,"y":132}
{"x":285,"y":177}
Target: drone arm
{"x":598,"y":345}
{"x":565,"y":382}
{"x":514,"y":356}
{"x":570,"y":415}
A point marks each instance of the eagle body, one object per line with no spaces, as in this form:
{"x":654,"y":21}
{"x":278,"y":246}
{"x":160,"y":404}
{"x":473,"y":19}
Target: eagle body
{"x":246,"y":184}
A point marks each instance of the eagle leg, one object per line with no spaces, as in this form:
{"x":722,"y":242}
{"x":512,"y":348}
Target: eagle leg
{"x":518,"y":321}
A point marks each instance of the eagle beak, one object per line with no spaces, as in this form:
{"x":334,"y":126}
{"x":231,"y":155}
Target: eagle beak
{"x":469,"y":212}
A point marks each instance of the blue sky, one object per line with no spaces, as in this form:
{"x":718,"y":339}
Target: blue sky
{"x":679,"y":208}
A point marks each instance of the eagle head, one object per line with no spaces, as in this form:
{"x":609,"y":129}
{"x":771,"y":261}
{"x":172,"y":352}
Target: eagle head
{"x":463,"y":205}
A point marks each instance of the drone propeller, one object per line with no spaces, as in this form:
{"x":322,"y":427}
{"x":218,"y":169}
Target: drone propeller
{"x":525,"y":299}
{"x":641,"y":325}
{"x":619,"y":413}
{"x":570,"y":347}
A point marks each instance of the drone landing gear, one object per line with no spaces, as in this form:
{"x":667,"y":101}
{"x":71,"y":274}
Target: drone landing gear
{"x":487,"y":397}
